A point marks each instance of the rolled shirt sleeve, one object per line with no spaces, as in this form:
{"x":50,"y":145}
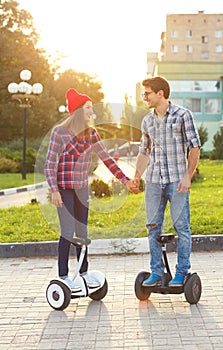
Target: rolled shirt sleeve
{"x":190,"y":130}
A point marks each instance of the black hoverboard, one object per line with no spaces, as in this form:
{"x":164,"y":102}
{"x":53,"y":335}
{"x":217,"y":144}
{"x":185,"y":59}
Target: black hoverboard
{"x":191,"y":286}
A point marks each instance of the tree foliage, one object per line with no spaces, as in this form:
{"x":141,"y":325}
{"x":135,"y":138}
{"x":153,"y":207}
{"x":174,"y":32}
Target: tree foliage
{"x":131,"y":120}
{"x":203,"y":133}
{"x":18,"y":42}
{"x":80,"y":81}
{"x":217,"y":152}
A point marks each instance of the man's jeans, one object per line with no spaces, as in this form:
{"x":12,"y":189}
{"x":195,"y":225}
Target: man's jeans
{"x":156,"y":197}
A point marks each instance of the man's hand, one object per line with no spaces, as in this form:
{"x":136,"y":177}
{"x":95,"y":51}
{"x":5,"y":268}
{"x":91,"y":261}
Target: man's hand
{"x":132,"y":186}
{"x":56,"y":199}
{"x":193,"y":157}
{"x":184,"y":184}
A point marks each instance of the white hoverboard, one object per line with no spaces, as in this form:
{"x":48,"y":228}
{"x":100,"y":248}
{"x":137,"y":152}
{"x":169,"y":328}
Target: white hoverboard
{"x":59,"y":293}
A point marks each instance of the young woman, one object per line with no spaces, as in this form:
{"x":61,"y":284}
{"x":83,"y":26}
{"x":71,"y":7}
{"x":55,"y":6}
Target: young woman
{"x":67,"y":165}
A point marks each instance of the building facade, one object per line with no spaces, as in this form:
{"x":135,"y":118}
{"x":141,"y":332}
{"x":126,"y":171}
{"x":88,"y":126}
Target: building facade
{"x":191,"y":59}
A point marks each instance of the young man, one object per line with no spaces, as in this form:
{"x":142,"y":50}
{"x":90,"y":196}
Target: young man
{"x":169,"y":149}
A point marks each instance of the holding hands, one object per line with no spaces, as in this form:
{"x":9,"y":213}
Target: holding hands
{"x":133,"y":185}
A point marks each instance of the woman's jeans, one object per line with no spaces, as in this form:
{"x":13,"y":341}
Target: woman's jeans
{"x":73,"y":217}
{"x":156,"y":197}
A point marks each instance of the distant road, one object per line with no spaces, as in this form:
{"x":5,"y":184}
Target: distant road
{"x":23,"y":198}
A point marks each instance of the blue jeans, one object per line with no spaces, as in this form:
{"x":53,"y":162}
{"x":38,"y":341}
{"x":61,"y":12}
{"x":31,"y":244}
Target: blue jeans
{"x":156,"y":197}
{"x":73,"y":217}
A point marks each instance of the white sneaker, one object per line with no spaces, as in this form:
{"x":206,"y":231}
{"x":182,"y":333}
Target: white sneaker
{"x":71,"y":284}
{"x":91,"y":282}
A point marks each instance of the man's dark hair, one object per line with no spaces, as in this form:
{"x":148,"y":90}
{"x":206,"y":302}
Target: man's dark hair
{"x":156,"y":84}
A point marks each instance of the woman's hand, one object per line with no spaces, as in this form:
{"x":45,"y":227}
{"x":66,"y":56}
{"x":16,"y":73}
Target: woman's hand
{"x":132,"y":186}
{"x":56,"y":199}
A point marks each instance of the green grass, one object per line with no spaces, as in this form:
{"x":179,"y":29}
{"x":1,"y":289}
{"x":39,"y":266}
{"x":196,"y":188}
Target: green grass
{"x":121,"y":217}
{"x":15,"y":180}
{"x":207,"y":199}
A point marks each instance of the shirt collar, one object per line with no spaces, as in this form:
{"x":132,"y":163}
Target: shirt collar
{"x":172,"y":109}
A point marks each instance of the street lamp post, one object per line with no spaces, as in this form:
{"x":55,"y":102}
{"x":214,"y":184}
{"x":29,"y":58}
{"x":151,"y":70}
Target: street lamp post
{"x":130,"y":119}
{"x":24,"y":93}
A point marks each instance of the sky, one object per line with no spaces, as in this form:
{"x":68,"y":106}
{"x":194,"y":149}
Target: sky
{"x":108,"y":39}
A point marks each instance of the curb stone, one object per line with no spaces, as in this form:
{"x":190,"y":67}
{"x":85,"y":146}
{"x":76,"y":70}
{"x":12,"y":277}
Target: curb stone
{"x":23,"y":189}
{"x":107,"y":246}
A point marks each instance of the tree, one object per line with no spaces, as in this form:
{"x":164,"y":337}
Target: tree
{"x":217,"y":152}
{"x":18,"y":51}
{"x":80,"y":81}
{"x":131,"y":120}
{"x":17,"y":41}
{"x":203,"y":133}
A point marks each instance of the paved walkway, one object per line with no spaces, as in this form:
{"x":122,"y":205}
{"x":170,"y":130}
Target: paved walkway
{"x":120,"y":320}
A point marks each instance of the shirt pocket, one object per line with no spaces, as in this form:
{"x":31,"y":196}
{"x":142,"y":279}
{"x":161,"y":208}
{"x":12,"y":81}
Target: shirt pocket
{"x":176,"y":130}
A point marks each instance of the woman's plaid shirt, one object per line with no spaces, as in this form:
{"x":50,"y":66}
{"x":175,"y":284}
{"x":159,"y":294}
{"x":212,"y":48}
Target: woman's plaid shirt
{"x":69,"y":158}
{"x":167,"y":141}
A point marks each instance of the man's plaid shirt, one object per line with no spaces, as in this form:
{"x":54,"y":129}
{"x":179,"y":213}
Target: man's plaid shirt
{"x":69,"y":158}
{"x":167,"y":141}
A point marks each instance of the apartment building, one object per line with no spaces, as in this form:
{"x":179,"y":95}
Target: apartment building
{"x":193,"y":38}
{"x":191,"y":58}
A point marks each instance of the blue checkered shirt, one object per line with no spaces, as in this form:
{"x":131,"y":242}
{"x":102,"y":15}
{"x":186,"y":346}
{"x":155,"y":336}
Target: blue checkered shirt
{"x":167,"y":141}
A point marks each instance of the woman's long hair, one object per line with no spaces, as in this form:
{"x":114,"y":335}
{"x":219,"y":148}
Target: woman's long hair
{"x":76,"y":124}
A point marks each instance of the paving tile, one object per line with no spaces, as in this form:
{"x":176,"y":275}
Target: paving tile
{"x":120,"y":320}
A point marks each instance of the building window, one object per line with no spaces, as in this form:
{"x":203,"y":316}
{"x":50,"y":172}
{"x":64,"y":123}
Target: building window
{"x":174,"y":34}
{"x":189,"y":48}
{"x":177,"y":101}
{"x":218,"y":33}
{"x":218,"y":48}
{"x":188,"y":33}
{"x":204,"y":39}
{"x":204,"y":54}
{"x":174,"y":48}
{"x":194,"y":104}
{"x":213,"y":105}
{"x":195,"y":85}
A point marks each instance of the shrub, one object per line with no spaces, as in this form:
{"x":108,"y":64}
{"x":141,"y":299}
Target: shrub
{"x":217,"y":152}
{"x":141,"y":185}
{"x":116,"y":187}
{"x":6,"y":153}
{"x":100,"y":189}
{"x":30,"y":159}
{"x":12,"y":160}
{"x":8,"y":166}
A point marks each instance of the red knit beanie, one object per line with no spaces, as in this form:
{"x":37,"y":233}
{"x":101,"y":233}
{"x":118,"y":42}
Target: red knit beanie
{"x":75,"y":100}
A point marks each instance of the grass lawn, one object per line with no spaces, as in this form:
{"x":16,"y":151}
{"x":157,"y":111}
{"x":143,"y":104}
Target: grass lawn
{"x":121,"y":217}
{"x":15,"y":180}
{"x":207,"y":199}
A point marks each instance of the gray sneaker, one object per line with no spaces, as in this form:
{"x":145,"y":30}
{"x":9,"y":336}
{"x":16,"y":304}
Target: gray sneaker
{"x":91,"y":282}
{"x":71,"y":284}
